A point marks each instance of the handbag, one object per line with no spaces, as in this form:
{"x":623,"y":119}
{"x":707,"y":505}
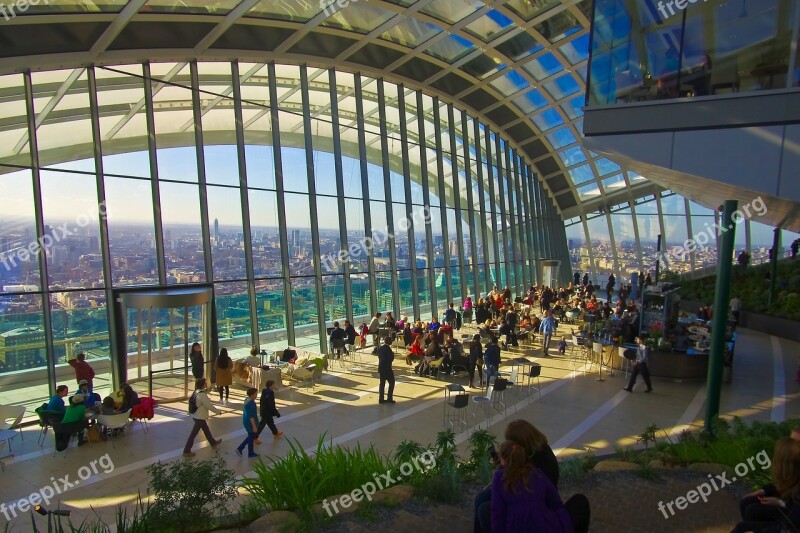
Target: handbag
{"x":93,"y":434}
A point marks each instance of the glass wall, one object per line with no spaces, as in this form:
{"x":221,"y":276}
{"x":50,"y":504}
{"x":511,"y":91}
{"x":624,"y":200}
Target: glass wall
{"x":645,"y":50}
{"x":301,"y":205}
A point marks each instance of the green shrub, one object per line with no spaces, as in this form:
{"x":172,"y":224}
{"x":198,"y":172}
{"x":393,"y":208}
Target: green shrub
{"x":299,"y":480}
{"x":189,"y":495}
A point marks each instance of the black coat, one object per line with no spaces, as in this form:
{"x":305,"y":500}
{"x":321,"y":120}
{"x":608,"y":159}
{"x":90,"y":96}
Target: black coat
{"x":268,"y":403}
{"x":385,"y":359}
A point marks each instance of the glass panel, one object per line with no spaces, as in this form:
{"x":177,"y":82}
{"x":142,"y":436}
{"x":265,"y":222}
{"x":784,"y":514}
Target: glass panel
{"x":306,"y":315}
{"x":62,"y":116}
{"x":198,"y":7}
{"x":183,"y":236}
{"x":528,"y":9}
{"x":22,"y":350}
{"x":330,"y":242}
{"x":265,"y":234}
{"x":227,"y":237}
{"x":573,"y":108}
{"x":298,"y":237}
{"x":510,"y":83}
{"x":451,"y":11}
{"x":675,"y":228}
{"x":67,"y":6}
{"x":271,"y":312}
{"x":233,"y":315}
{"x":20,"y":270}
{"x":544,"y":66}
{"x":293,"y":11}
{"x":69,"y":206}
{"x":450,"y":49}
{"x":174,"y":125}
{"x":14,"y":146}
{"x":562,"y":86}
{"x":333,"y":294}
{"x":359,"y":262}
{"x":558,"y":26}
{"x":490,"y":26}
{"x":530,"y":101}
{"x":359,"y":18}
{"x":131,"y":231}
{"x":601,"y":248}
{"x":410,"y":32}
{"x":576,"y":50}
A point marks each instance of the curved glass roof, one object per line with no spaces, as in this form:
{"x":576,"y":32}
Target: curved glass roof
{"x":519,"y":65}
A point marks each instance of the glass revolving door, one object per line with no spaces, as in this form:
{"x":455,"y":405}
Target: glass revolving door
{"x":160,"y":326}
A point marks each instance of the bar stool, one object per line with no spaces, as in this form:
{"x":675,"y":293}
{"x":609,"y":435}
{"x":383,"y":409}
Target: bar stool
{"x":536,"y":371}
{"x":459,"y":411}
{"x":499,"y":398}
{"x":483,"y":403}
{"x":448,"y":393}
{"x":597,"y":351}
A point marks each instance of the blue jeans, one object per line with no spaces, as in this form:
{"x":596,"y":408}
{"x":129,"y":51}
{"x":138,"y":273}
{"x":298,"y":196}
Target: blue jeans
{"x":483,"y":511}
{"x":248,"y":442}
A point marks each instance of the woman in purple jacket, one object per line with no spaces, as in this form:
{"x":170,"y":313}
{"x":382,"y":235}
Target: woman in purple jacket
{"x":523,"y":499}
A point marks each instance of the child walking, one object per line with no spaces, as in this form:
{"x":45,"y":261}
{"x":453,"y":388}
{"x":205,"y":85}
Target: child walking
{"x":268,"y":410}
{"x":562,"y":346}
{"x":250,"y":423}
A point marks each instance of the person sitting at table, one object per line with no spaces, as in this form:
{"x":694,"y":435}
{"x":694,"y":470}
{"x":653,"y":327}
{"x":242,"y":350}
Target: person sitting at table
{"x":337,"y":334}
{"x":432,"y":353}
{"x":129,"y":398}
{"x":350,"y":333}
{"x":56,"y":402}
{"x":108,"y":406}
{"x":418,"y":328}
{"x":391,"y":325}
{"x":456,"y":351}
{"x":373,"y":328}
{"x":434,"y":325}
{"x":74,"y":421}
{"x":407,"y":333}
{"x":416,"y":351}
{"x":90,"y":400}
{"x":450,"y":315}
{"x":681,"y":343}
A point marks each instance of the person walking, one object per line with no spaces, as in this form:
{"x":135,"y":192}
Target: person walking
{"x":640,"y":365}
{"x":475,"y":355}
{"x":385,"y":359}
{"x":83,"y":370}
{"x":268,"y":410}
{"x":199,"y":407}
{"x":547,"y":328}
{"x":250,"y":423}
{"x":491,"y":358}
{"x":224,"y":376}
{"x":197,"y":361}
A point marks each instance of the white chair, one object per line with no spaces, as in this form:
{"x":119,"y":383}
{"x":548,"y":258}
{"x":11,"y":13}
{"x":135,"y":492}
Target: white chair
{"x":484,"y":402}
{"x":14,"y":414}
{"x":119,"y":421}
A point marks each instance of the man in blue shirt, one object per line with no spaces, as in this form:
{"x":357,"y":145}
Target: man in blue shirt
{"x":547,"y":329}
{"x":56,"y":402}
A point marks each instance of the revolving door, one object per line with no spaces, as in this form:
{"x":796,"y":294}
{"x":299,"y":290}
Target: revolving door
{"x":159,"y":326}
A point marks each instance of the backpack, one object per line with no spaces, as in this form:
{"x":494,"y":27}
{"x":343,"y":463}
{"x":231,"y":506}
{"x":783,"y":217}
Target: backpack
{"x":193,"y":403}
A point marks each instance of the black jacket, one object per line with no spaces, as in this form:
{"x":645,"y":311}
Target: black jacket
{"x":385,"y":358}
{"x":268,"y":403}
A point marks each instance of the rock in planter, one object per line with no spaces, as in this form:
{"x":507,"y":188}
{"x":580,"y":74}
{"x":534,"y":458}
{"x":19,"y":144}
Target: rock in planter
{"x":658,"y":463}
{"x":277,"y":521}
{"x":336,"y":505}
{"x":613,"y":465}
{"x":394,"y":495}
{"x":708,"y":468}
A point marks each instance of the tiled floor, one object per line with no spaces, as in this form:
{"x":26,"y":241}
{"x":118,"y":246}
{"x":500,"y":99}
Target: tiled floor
{"x":575,"y":411}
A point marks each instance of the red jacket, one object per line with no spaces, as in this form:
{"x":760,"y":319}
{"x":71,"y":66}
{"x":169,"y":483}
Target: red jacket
{"x":82,"y":370}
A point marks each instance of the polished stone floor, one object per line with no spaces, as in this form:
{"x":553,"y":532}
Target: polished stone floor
{"x":575,"y":411}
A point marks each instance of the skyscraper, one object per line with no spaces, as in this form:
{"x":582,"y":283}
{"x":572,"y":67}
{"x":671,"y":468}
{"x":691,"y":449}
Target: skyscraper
{"x":216,"y":231}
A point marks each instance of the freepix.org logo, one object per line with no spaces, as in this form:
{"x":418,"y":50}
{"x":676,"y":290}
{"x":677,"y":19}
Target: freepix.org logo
{"x":9,"y":11}
{"x":327,"y":5}
{"x":665,"y":7}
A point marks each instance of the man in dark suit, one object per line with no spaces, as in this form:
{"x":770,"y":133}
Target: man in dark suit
{"x":385,"y":359}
